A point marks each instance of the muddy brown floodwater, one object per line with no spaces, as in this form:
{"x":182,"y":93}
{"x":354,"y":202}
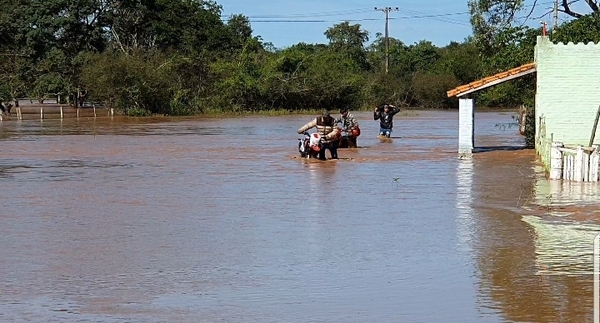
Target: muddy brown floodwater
{"x":218,"y":220}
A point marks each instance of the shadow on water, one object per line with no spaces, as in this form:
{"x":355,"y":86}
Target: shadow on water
{"x":496,"y":148}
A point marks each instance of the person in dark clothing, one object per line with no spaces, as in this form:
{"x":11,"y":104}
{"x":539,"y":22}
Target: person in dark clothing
{"x":327,"y":128}
{"x":385,"y":114}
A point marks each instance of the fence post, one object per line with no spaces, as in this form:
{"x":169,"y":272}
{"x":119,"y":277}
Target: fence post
{"x":19,"y":114}
{"x":579,"y":164}
{"x":61,"y":112}
{"x":556,"y":161}
{"x":573,"y":166}
{"x":594,"y":127}
{"x":566,"y":165}
{"x":569,"y":168}
{"x":594,"y":157}
{"x":94,"y":110}
{"x":77,"y":112}
{"x":586,"y":166}
{"x":42,"y":113}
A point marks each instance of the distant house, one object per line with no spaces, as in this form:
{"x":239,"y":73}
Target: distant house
{"x":566,"y":107}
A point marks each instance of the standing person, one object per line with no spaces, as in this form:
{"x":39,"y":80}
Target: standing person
{"x":327,"y":129}
{"x":385,"y":114}
{"x":349,"y":127}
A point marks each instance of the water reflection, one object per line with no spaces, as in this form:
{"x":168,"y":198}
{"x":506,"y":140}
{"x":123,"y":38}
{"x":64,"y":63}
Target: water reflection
{"x":322,"y":184}
{"x":564,"y":211}
{"x":562,"y":247}
{"x":555,"y":193}
{"x":534,"y":258}
{"x":464,"y":201}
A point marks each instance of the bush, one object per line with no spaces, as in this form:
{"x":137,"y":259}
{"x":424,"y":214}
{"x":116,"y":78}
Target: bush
{"x":137,"y":84}
{"x":430,"y":90}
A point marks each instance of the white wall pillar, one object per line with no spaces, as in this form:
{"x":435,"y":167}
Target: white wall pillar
{"x":466,"y":128}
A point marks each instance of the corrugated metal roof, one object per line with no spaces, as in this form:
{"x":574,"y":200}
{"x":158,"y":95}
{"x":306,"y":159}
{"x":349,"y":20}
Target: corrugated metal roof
{"x":492,"y":80}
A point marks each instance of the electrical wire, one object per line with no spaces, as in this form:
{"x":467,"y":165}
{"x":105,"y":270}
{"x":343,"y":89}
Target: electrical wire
{"x":313,"y":14}
{"x":289,"y":18}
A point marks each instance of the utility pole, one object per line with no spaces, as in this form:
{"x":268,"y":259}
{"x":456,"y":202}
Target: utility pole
{"x":555,"y":24}
{"x":387,"y":11}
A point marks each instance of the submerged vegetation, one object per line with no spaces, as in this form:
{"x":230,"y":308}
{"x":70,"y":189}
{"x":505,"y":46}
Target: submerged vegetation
{"x":142,"y":57}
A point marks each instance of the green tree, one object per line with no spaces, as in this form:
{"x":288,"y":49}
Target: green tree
{"x":461,"y":60}
{"x":12,"y":57}
{"x":48,"y":36}
{"x":138,"y":83}
{"x":398,"y":57}
{"x":585,"y":29}
{"x":423,"y":56}
{"x":286,"y":73}
{"x":514,"y":46}
{"x":240,"y":29}
{"x":192,"y":26}
{"x":350,"y":40}
{"x":490,"y":17}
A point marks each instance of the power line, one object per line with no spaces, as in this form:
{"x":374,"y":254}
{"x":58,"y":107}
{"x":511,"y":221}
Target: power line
{"x":420,"y":15}
{"x":313,"y":14}
{"x":361,"y":10}
{"x":291,"y":20}
{"x":439,"y":18}
{"x":440,"y":15}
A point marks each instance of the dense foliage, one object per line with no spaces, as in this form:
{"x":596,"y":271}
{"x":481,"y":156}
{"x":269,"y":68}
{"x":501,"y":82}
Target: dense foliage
{"x":178,"y":57}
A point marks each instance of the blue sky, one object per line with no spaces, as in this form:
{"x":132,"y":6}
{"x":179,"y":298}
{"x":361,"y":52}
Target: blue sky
{"x":440,"y":21}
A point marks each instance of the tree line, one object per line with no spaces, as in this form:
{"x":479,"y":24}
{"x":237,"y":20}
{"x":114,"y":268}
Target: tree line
{"x":178,"y":57}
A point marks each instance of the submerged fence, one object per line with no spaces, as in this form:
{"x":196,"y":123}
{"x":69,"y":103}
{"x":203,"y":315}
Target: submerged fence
{"x":579,"y":164}
{"x":52,"y":111}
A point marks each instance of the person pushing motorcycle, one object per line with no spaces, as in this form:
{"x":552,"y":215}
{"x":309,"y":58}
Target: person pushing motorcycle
{"x":328,"y":130}
{"x":349,"y":127}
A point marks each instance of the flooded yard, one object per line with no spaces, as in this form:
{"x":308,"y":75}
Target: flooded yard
{"x":219,"y":220}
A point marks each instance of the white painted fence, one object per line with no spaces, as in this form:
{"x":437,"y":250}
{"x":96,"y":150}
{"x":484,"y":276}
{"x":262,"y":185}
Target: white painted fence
{"x":44,"y":112}
{"x":579,"y":164}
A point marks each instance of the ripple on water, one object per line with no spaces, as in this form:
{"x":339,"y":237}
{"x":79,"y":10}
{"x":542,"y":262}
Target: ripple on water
{"x":187,"y":220}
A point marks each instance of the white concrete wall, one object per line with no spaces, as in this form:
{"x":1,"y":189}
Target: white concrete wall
{"x":568,"y":89}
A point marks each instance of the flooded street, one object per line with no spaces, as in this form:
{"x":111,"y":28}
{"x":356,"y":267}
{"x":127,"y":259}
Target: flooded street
{"x":219,"y":220}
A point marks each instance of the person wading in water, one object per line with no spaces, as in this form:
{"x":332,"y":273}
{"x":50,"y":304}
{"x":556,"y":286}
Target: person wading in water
{"x":385,"y":114}
{"x":349,"y":127}
{"x":327,"y":129}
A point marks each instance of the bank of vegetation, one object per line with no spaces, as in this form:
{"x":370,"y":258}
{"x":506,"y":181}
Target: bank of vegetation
{"x":178,"y":57}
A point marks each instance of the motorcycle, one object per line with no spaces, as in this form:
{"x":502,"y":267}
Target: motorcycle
{"x":310,"y":145}
{"x":345,"y":137}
